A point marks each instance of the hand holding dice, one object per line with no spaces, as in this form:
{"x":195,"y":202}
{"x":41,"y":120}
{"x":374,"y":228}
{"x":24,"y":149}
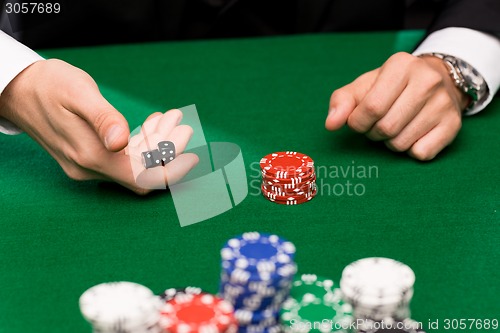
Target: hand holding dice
{"x":161,"y":156}
{"x":156,"y":151}
{"x":61,"y":107}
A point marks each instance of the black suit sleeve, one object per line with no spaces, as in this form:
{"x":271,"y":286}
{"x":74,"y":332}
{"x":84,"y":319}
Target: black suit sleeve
{"x":481,"y":15}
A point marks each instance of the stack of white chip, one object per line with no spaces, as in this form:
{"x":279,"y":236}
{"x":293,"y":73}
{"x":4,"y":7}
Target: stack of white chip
{"x":121,"y":307}
{"x":378,"y":288}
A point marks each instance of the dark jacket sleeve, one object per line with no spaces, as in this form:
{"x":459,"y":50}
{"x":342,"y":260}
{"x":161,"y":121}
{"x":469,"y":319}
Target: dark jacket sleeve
{"x":482,"y":15}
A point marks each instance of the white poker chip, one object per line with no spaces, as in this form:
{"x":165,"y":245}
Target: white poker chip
{"x":120,"y":306}
{"x":377,"y":282}
{"x":377,"y":314}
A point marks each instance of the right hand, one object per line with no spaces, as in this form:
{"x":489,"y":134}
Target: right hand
{"x":410,"y":103}
{"x":61,"y":108}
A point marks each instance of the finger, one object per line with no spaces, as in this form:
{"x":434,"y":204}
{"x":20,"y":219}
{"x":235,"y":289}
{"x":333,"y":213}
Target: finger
{"x":169,"y":121}
{"x":137,"y":146}
{"x":148,"y":128}
{"x":179,"y":167}
{"x":180,"y":136}
{"x":119,"y":169}
{"x":405,"y":108}
{"x":153,"y":115}
{"x":109,"y":124}
{"x":135,"y":140}
{"x":139,"y":139}
{"x":386,"y":89}
{"x":422,"y":124}
{"x":135,"y":151}
{"x":427,"y":147}
{"x":150,"y":179}
{"x":344,"y":100}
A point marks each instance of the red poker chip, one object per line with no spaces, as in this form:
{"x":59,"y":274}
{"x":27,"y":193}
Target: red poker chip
{"x":288,"y":187}
{"x":204,"y":312}
{"x":289,"y":180}
{"x":286,"y":164}
{"x":287,"y":175}
{"x":285,"y":198}
{"x":297,"y":201}
{"x":281,"y":191}
{"x":296,"y":192}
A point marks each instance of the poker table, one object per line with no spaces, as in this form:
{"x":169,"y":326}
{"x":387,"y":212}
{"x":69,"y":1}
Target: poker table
{"x":59,"y":237}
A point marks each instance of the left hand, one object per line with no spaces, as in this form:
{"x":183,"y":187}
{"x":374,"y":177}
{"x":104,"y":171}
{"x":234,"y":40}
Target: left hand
{"x":410,"y":103}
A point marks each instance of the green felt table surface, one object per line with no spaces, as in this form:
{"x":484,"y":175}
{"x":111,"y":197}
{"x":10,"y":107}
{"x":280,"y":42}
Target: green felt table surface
{"x":59,"y":237}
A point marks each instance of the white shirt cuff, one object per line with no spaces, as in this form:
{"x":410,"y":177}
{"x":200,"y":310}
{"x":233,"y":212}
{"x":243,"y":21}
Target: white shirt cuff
{"x":480,"y":50}
{"x":14,"y":58}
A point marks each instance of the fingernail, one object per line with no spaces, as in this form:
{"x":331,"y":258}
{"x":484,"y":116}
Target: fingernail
{"x":112,"y":135}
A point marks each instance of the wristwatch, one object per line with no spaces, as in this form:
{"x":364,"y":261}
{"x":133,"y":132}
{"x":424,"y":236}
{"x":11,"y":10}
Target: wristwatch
{"x":465,"y":77}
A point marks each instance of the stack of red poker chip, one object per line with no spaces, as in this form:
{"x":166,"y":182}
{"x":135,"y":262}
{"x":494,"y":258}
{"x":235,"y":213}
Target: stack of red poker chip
{"x":194,"y":312}
{"x":288,"y":178}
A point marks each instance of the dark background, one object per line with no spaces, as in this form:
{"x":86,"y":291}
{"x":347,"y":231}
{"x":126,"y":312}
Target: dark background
{"x":95,"y":22}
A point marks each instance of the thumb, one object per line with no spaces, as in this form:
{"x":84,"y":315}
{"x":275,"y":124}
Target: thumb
{"x":109,"y":124}
{"x":344,"y":100}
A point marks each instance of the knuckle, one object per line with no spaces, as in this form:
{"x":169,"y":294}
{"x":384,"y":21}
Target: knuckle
{"x":422,"y":153}
{"x":373,"y":107}
{"x":386,"y":129}
{"x":443,"y":101}
{"x":355,"y":125}
{"x":433,"y":79}
{"x":403,"y":59}
{"x":84,"y":158}
{"x":398,"y":145}
{"x":402,"y":56}
{"x":75,"y":173}
{"x":86,"y":161}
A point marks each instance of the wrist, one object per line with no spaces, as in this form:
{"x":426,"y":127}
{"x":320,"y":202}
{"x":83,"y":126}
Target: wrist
{"x":466,"y":78}
{"x":463,"y":99}
{"x":18,"y":89}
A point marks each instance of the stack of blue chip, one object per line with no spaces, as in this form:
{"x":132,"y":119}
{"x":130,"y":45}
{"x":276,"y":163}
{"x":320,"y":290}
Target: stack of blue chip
{"x":257,"y":274}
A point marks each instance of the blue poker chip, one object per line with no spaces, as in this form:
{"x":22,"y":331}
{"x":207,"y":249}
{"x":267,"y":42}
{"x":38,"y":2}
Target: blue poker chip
{"x":260,"y":288}
{"x":242,"y":276}
{"x":240,"y":297}
{"x":255,"y":304}
{"x":264,"y":318}
{"x":244,"y":291}
{"x":256,"y":252}
{"x":257,"y":274}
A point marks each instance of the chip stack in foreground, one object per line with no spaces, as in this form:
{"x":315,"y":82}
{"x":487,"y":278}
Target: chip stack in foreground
{"x":315,"y":305}
{"x":190,"y":310}
{"x":288,"y":178}
{"x":378,"y":288}
{"x":121,"y":307}
{"x":257,"y":273}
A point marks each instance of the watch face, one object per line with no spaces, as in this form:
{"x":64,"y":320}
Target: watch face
{"x":470,"y":74}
